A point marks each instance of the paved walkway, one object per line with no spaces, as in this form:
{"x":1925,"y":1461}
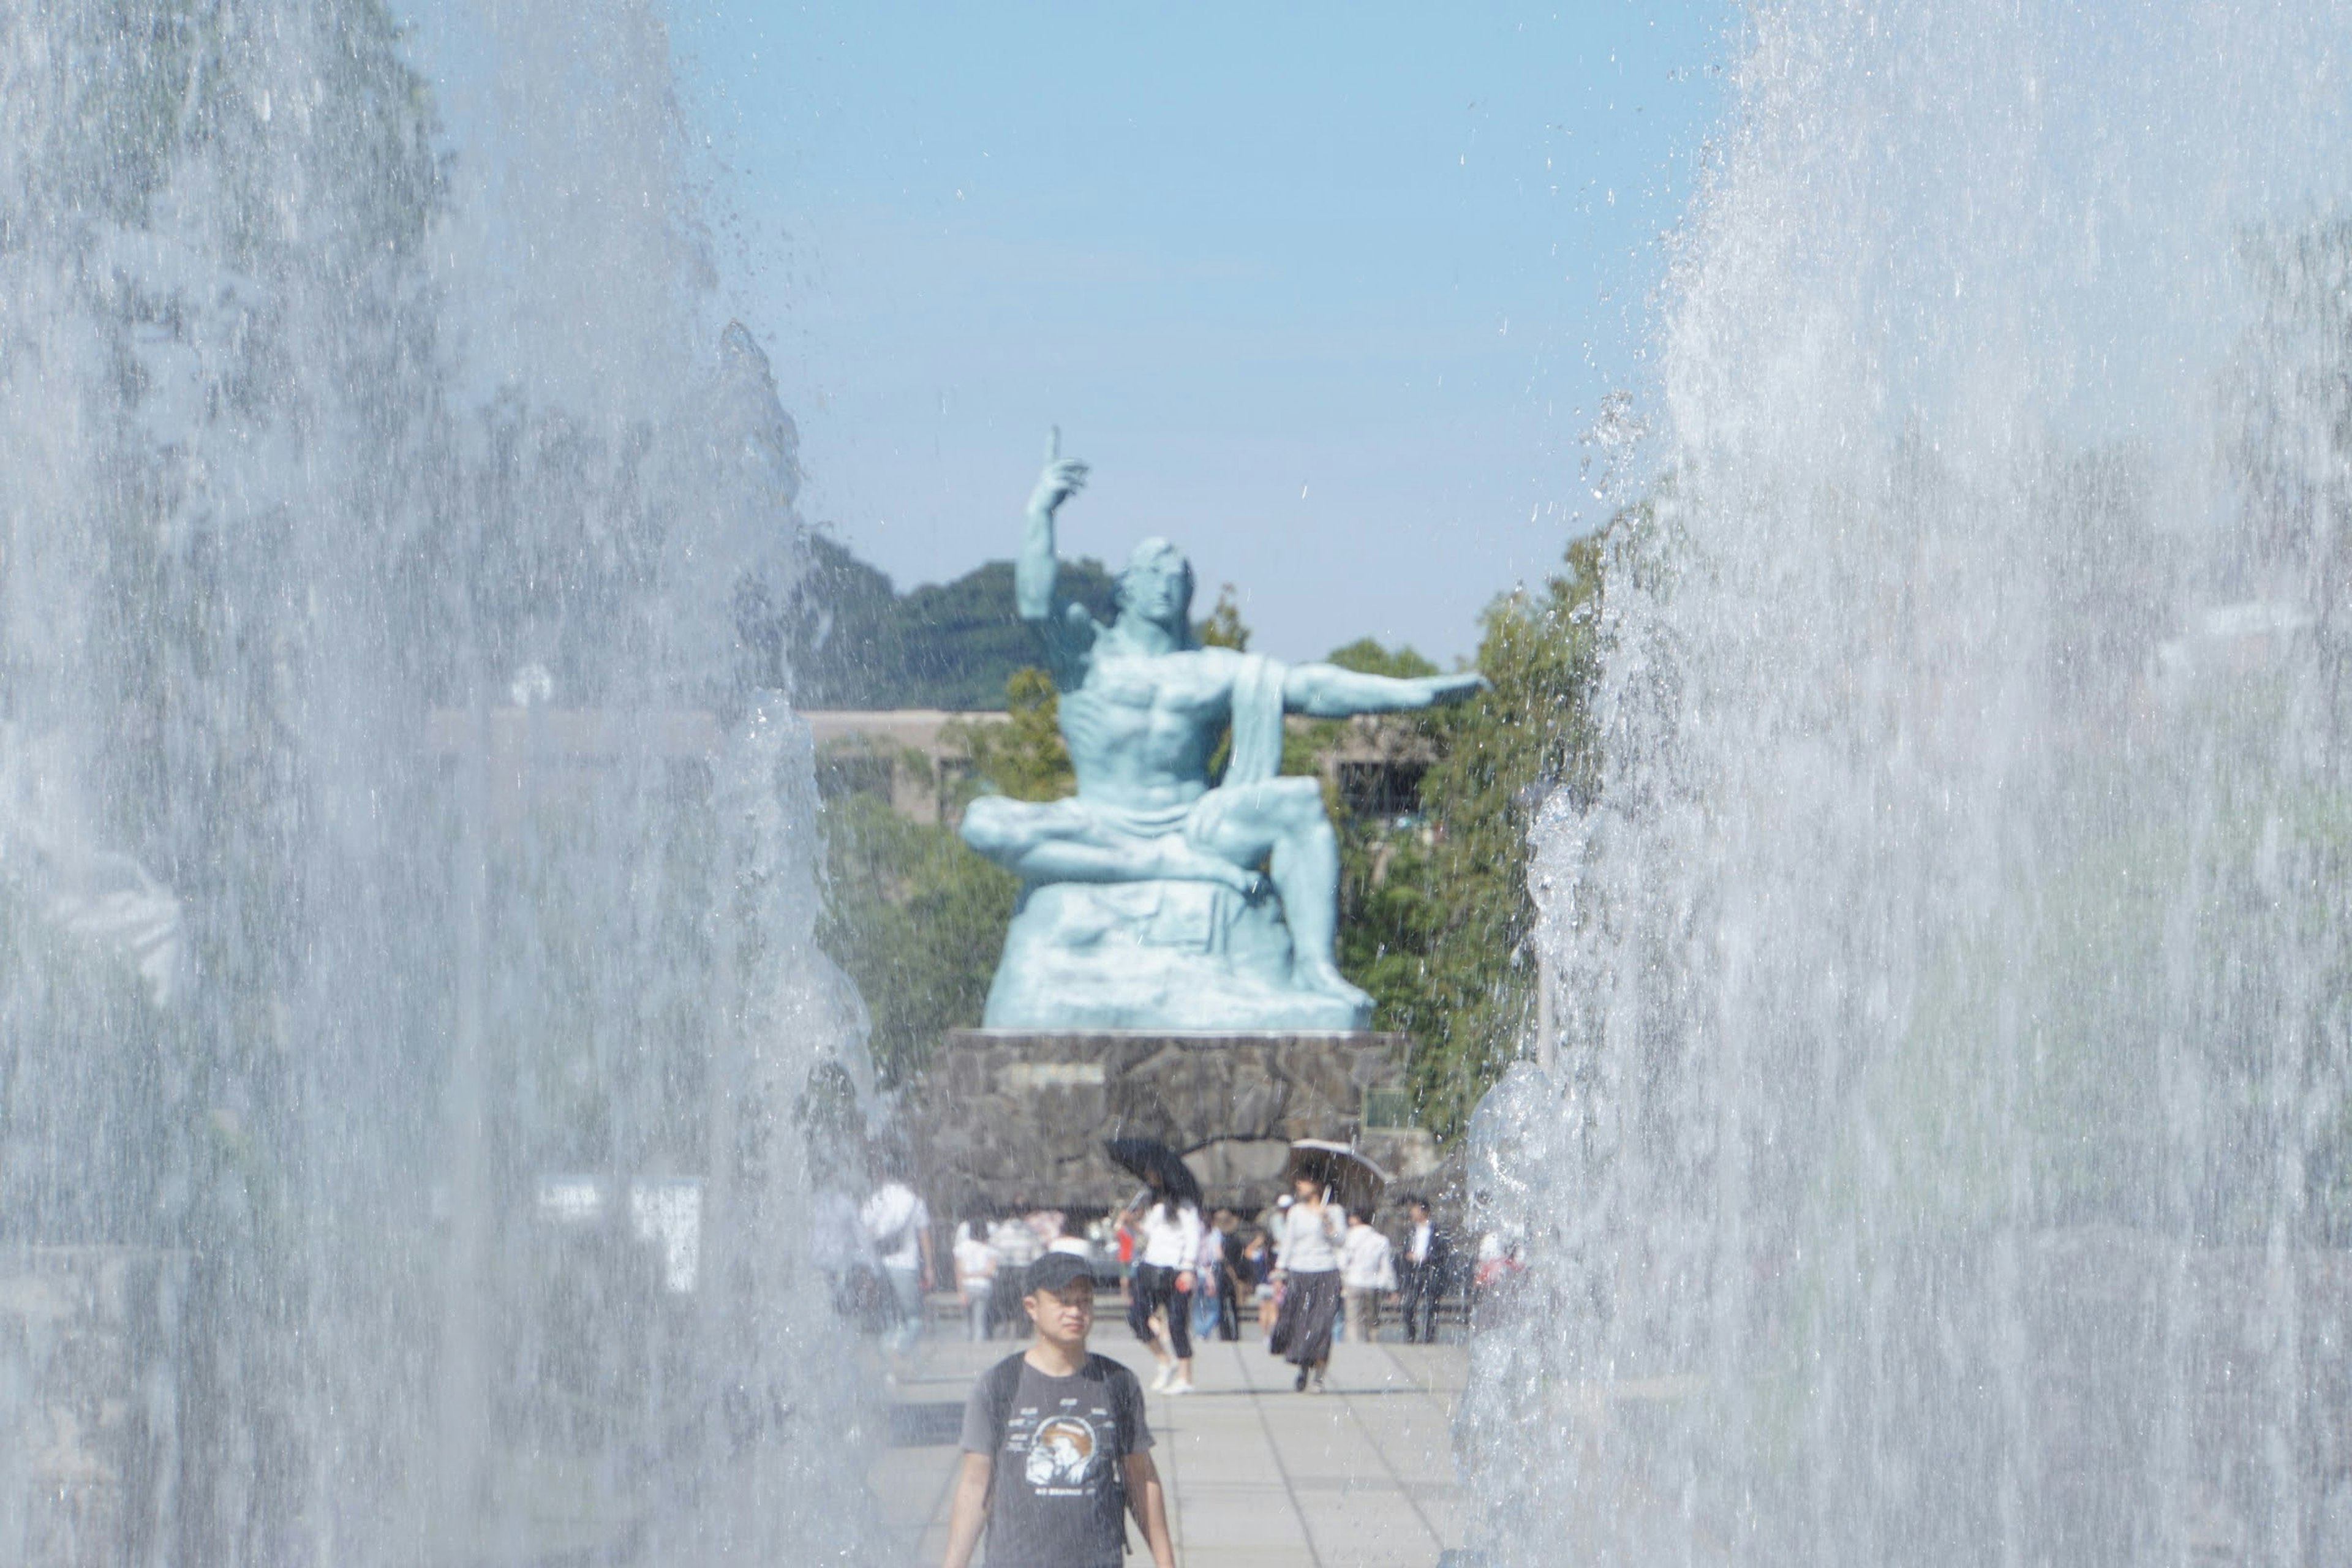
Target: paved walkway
{"x":1258,"y":1474}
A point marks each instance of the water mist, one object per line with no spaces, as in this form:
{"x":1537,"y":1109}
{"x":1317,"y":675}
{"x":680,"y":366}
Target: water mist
{"x":411,"y":1037}
{"x":1946,"y":1156}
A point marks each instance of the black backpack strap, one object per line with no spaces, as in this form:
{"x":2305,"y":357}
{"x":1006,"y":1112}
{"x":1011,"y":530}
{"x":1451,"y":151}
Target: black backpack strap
{"x":1003,"y":1378}
{"x":1122,"y":1395}
{"x":1125,"y":1394}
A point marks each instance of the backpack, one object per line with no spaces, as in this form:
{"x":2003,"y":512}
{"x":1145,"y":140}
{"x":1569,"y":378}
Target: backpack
{"x":1004,"y":1380}
{"x":897,"y":1235}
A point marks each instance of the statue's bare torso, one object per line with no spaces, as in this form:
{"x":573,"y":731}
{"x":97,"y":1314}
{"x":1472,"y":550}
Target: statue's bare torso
{"x":1142,"y":727}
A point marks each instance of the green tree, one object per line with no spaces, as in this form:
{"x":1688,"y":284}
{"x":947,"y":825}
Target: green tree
{"x":1224,"y":627}
{"x":1366,"y":657}
{"x":912,"y":915}
{"x":917,"y":919}
{"x":1435,"y":919}
{"x":1023,"y":757}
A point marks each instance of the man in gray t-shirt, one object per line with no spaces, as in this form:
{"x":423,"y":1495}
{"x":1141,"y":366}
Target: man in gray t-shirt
{"x":1056,"y":1446}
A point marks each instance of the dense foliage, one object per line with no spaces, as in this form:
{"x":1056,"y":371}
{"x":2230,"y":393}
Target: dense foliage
{"x":1435,"y":913}
{"x":916,"y":920}
{"x":1023,"y":757}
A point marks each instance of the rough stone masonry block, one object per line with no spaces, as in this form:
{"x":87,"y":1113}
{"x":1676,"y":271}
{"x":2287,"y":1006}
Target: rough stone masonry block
{"x":1009,"y":1117}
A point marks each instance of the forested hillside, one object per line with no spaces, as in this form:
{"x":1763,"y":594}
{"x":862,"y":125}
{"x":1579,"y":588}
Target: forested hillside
{"x":856,"y":641}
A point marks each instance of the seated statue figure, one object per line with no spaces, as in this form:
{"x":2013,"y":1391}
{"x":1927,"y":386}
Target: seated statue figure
{"x":1145,"y":906}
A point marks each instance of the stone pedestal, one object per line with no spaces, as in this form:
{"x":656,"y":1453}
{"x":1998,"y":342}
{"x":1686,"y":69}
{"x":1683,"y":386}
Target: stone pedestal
{"x":1013,"y":1117}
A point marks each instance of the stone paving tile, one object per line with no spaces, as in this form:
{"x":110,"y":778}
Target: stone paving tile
{"x":1355,"y":1529}
{"x":1417,"y":1447}
{"x":1258,"y":1520}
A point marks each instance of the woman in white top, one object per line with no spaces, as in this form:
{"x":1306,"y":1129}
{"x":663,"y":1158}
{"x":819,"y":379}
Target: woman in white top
{"x":1164,"y":1279}
{"x":1311,"y":1294}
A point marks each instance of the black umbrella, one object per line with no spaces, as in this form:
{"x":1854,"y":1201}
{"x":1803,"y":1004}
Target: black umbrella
{"x":1145,"y":1158}
{"x":1339,"y":1170}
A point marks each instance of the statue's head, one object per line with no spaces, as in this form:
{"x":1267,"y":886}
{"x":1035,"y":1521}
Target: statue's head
{"x":1157,"y":585}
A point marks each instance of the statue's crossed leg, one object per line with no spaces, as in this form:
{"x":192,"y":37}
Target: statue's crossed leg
{"x":1221,"y":837}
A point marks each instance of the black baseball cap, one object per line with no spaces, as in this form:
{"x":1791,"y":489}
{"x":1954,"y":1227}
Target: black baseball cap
{"x":1054,"y":1270}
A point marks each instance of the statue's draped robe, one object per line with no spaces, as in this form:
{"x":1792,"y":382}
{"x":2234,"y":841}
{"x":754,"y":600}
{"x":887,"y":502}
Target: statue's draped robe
{"x":1257,"y":721}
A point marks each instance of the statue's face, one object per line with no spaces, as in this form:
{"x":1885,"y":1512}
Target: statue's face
{"x":1157,"y":585}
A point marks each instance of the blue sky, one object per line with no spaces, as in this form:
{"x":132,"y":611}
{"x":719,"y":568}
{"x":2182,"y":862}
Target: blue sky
{"x":1327,"y":294}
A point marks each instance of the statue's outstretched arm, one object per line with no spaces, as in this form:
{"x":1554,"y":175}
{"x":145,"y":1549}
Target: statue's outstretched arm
{"x":1328,"y":691}
{"x":1036,"y":569}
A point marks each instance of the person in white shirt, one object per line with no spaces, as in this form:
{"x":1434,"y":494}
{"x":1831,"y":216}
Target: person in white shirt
{"x":1071,"y":1237}
{"x":1015,"y":1242}
{"x":1368,"y":1271}
{"x":975,"y":1270}
{"x":840,"y":1246}
{"x":1276,"y":1219}
{"x":1165,"y":1277}
{"x":900,"y":1224}
{"x":1310,"y":1286}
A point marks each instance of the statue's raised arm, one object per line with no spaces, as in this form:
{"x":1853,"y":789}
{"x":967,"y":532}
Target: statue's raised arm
{"x":1068,"y":631}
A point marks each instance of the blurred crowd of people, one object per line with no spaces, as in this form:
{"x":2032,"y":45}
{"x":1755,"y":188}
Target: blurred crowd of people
{"x":1306,"y":1271}
{"x":1303,"y":1272}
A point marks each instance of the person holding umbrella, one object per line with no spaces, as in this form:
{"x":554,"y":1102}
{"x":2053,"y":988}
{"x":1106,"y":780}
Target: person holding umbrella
{"x":1167,"y":1255}
{"x":1310,"y":1297}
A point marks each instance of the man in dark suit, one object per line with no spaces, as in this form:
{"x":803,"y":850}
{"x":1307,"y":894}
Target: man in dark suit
{"x":1424,"y":1269}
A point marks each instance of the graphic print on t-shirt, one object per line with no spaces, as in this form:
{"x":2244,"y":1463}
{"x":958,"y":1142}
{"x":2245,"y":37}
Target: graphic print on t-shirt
{"x":1060,"y":1453}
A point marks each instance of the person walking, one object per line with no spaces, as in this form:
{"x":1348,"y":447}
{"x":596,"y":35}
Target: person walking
{"x":1056,"y":1449}
{"x":1258,"y":1258}
{"x":1166,"y":1271}
{"x":1207,"y":1282}
{"x":1426,"y":1272}
{"x":900,"y":1225}
{"x":1232,"y":1275}
{"x":844,"y":1253}
{"x":1015,"y":1242}
{"x":1367,"y":1272}
{"x":1273,"y":1219}
{"x":1072,"y":1239}
{"x":1310,"y":1287}
{"x":975,"y":1272}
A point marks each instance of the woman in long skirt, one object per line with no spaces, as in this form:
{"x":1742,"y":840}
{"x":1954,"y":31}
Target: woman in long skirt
{"x":1310,"y":1297}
